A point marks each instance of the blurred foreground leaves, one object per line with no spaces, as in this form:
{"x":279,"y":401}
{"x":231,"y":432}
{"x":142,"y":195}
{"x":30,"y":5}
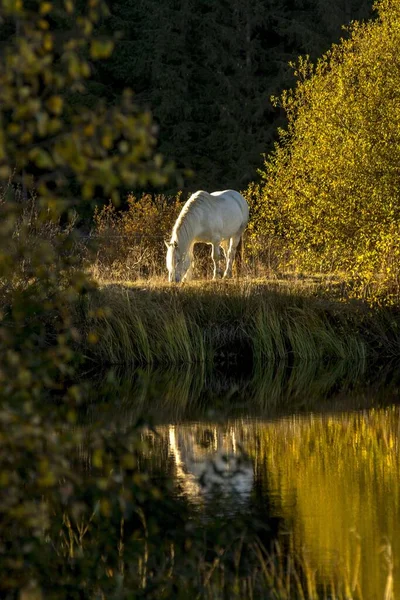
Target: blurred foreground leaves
{"x":54,"y":154}
{"x":62,"y":153}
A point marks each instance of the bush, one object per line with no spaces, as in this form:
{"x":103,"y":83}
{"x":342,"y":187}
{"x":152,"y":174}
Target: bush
{"x":331,"y":188}
{"x":48,"y":143}
{"x":130,"y":243}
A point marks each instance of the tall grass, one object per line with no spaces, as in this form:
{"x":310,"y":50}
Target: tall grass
{"x":230,"y":322}
{"x":126,"y":327}
{"x":304,"y":332}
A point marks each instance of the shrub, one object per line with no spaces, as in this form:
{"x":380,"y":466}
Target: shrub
{"x":331,"y":188}
{"x":130,"y":243}
{"x":47,"y":142}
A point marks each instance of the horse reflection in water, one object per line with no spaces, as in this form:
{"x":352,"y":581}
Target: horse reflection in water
{"x":218,"y":219}
{"x":210,"y":463}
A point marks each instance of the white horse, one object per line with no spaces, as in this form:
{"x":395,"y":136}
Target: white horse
{"x":219,"y":217}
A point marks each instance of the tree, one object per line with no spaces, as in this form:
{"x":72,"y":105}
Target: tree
{"x":155,"y":56}
{"x":240,"y":70}
{"x":310,"y":26}
{"x":332,"y":184}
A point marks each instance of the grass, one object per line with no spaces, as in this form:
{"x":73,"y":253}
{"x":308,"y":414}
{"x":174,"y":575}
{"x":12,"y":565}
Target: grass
{"x":256,"y":322}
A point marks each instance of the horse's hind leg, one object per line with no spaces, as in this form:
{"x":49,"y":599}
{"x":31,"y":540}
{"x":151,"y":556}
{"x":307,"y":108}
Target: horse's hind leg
{"x":234,"y":241}
{"x":216,"y":255}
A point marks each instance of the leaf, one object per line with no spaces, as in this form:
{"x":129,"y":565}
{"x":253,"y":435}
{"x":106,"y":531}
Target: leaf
{"x":69,"y":6}
{"x":45,"y":8}
{"x":12,"y":6}
{"x":5,"y":172}
{"x":55,"y":104}
{"x":97,"y":458}
{"x":41,"y":158}
{"x":42,"y":119}
{"x":100,"y":49}
{"x":107,"y":140}
{"x":48,"y":42}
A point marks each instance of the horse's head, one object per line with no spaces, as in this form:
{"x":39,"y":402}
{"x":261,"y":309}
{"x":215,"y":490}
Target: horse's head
{"x":177,"y":262}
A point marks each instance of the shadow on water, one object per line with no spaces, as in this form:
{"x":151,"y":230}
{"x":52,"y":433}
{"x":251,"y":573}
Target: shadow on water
{"x":165,"y":396}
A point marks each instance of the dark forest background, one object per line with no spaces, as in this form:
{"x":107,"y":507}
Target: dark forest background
{"x":207,"y":70}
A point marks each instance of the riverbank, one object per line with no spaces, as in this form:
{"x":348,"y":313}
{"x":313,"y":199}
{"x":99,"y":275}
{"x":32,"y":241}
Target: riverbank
{"x":237,"y":322}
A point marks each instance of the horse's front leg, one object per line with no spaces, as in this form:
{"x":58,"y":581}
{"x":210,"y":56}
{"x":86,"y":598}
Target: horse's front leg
{"x":189,"y":264}
{"x":216,"y":255}
{"x":189,"y":273}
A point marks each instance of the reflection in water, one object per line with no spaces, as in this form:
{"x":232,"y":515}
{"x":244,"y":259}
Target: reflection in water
{"x":170,"y":396}
{"x":330,"y":478}
{"x":335,"y":481}
{"x":209,"y":462}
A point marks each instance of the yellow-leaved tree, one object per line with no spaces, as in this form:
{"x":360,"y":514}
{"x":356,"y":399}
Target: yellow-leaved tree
{"x":331,"y":187}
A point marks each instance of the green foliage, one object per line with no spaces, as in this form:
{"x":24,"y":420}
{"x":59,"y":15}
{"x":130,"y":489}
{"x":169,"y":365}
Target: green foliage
{"x":312,"y":25}
{"x":41,"y":133}
{"x":331,"y":187}
{"x":45,"y":143}
{"x":207,"y":70}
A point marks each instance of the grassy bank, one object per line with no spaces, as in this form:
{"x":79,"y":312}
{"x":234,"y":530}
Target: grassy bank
{"x":246,"y":321}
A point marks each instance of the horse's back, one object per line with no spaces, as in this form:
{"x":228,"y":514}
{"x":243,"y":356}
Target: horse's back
{"x":230,"y":194}
{"x":234,"y":198}
{"x":206,"y":217}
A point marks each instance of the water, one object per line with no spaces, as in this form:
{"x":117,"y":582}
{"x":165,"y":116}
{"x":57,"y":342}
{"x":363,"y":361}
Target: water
{"x":311,"y":451}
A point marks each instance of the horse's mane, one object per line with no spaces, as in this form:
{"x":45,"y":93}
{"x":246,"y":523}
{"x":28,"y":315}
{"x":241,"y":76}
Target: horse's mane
{"x":187,"y":217}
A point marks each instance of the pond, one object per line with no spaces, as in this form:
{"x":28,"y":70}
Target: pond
{"x":309,"y":452}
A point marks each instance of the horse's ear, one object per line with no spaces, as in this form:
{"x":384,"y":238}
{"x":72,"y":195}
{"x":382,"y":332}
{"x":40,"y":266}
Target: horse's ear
{"x":166,"y":243}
